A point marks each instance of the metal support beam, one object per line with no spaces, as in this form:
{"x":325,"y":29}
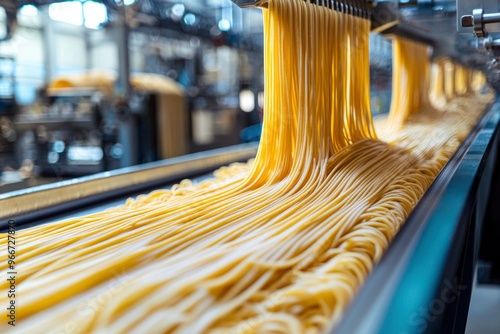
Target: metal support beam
{"x":49,"y":45}
{"x":122,"y":39}
{"x":128,"y":128}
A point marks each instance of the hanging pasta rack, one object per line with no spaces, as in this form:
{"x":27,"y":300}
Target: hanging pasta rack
{"x":384,"y":16}
{"x":358,"y":8}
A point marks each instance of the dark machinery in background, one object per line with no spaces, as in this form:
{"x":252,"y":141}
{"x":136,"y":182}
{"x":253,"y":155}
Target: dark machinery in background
{"x":70,"y":135}
{"x":79,"y":128}
{"x":215,"y":116}
{"x":482,"y":18}
{"x":131,"y":114}
{"x":8,"y":109}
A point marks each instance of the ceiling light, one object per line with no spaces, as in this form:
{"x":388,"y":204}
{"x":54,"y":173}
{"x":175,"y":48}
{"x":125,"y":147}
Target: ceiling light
{"x":178,"y":9}
{"x":224,"y":25}
{"x":190,"y":19}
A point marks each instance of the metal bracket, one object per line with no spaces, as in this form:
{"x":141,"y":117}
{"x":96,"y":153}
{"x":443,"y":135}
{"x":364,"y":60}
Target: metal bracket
{"x":478,"y":20}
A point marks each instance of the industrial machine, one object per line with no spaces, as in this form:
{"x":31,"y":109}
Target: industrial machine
{"x":482,"y":19}
{"x":133,"y":114}
{"x":70,"y":133}
{"x":79,"y":126}
{"x":424,"y":281}
{"x":8,"y":107}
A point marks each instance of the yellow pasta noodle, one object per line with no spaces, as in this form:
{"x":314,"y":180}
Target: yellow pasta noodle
{"x":410,"y":80}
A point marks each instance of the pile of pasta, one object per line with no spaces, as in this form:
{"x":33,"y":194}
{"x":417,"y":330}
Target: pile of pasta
{"x":280,"y":245}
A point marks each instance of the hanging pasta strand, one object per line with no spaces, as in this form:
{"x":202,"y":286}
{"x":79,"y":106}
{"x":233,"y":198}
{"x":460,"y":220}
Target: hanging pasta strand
{"x":437,"y":96}
{"x":410,"y":80}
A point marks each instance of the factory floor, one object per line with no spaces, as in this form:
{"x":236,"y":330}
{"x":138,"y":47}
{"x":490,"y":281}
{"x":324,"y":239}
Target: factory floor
{"x":484,"y":310}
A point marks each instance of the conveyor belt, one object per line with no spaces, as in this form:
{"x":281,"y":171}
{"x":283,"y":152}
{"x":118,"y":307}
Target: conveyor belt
{"x":51,"y":202}
{"x":112,"y":200}
{"x":424,"y":280}
{"x":435,"y":247}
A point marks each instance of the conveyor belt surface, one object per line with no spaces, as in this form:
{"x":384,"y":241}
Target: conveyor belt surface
{"x":434,"y":250}
{"x":35,"y":205}
{"x":424,"y":280}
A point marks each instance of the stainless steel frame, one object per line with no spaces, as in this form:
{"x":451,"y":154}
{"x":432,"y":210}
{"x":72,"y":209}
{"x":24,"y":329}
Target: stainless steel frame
{"x":42,"y":197}
{"x":434,"y":253}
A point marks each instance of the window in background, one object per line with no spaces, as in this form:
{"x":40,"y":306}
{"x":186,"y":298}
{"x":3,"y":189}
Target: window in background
{"x":91,"y":14}
{"x":67,"y":12}
{"x":94,"y":14}
{"x":29,"y":10}
{"x":3,"y":18}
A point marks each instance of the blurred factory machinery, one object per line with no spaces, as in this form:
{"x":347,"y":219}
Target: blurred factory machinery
{"x":89,"y":126}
